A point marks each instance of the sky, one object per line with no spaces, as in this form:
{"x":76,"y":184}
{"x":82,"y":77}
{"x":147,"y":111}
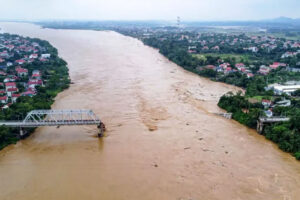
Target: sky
{"x":189,"y":10}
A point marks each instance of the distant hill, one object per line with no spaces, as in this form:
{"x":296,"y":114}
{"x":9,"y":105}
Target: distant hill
{"x":284,"y":20}
{"x":280,"y":22}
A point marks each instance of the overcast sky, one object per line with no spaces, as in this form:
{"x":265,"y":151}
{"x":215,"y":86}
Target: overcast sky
{"x":148,"y":9}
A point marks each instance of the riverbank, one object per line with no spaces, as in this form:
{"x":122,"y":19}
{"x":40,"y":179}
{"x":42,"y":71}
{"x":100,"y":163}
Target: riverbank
{"x":133,"y":92}
{"x":173,"y":45}
{"x":32,"y":75}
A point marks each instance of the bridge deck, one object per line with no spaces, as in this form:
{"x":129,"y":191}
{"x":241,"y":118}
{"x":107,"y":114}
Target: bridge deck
{"x":50,"y":123}
{"x":273,"y":119}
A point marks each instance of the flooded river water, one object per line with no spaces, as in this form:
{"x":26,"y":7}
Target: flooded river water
{"x":162,"y":142}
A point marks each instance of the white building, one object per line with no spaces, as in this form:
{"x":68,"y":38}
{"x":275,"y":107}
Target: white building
{"x":45,"y":56}
{"x":283,"y":89}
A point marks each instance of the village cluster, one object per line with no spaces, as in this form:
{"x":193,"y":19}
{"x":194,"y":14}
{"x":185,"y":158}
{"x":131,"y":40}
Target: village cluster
{"x":245,"y":44}
{"x":277,"y":49}
{"x":16,"y":54}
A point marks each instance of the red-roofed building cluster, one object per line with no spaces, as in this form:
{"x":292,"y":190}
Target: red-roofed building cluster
{"x":18,"y":55}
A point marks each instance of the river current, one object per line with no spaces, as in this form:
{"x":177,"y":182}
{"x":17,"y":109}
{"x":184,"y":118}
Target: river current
{"x":162,"y":141}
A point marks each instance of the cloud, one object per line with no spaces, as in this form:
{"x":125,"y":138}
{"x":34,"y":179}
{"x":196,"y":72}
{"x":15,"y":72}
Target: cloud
{"x":148,"y":9}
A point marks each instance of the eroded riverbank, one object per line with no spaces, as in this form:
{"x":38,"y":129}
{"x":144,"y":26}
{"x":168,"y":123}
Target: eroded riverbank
{"x":191,"y":154}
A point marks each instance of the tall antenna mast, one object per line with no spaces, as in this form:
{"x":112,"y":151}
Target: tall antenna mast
{"x":178,"y":22}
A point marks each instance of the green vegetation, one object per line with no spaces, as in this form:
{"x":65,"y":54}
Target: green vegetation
{"x":246,"y":108}
{"x":56,"y":79}
{"x":286,"y":135}
{"x":236,"y":57}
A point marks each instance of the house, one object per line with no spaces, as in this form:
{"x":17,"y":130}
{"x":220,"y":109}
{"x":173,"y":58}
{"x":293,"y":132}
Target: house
{"x":6,"y":80}
{"x":289,"y":54}
{"x":290,"y":69}
{"x":192,"y":51}
{"x":28,"y":93}
{"x":14,"y":97}
{"x":275,"y":65}
{"x":2,"y":73}
{"x":216,"y":48}
{"x":212,"y":67}
{"x":21,"y":72}
{"x":224,"y":66}
{"x":266,"y":103}
{"x":4,"y":54}
{"x":228,"y":70}
{"x":10,"y":91}
{"x":269,"y":113}
{"x":3,"y":99}
{"x":32,"y":83}
{"x":8,"y":64}
{"x":250,"y":75}
{"x":36,"y":72}
{"x":33,"y":56}
{"x":264,"y":70}
{"x":10,"y":85}
{"x":253,"y":49}
{"x":46,"y":56}
{"x":239,"y":65}
{"x":10,"y":47}
{"x":36,"y":76}
{"x":20,"y":62}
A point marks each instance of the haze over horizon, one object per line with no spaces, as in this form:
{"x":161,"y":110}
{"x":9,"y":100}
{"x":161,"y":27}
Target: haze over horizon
{"x":189,"y":10}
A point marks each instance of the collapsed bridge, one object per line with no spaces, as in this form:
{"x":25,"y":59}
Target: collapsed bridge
{"x":37,"y":118}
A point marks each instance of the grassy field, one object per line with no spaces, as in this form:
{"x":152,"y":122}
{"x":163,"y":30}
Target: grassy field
{"x":277,"y":35}
{"x":238,"y":57}
{"x":255,"y":99}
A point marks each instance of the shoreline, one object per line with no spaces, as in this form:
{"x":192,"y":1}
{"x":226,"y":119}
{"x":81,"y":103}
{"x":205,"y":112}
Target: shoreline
{"x":131,"y":91}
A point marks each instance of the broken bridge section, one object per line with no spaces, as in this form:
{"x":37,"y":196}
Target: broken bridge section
{"x":269,"y":120}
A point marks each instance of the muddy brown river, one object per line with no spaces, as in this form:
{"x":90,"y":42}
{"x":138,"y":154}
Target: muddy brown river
{"x":162,"y":142}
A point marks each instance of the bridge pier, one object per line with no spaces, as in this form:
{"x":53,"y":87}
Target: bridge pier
{"x":225,"y":115}
{"x":22,"y":132}
{"x":260,"y":127}
{"x":102,"y":129}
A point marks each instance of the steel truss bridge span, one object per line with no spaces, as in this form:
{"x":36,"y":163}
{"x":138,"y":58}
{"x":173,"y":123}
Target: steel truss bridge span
{"x":37,"y":118}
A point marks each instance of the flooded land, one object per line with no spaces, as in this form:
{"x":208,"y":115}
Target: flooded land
{"x":163,"y":140}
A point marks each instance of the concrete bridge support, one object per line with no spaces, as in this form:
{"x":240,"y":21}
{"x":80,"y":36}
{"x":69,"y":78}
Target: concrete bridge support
{"x":102,"y":129}
{"x":260,"y":127}
{"x":23,"y":132}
